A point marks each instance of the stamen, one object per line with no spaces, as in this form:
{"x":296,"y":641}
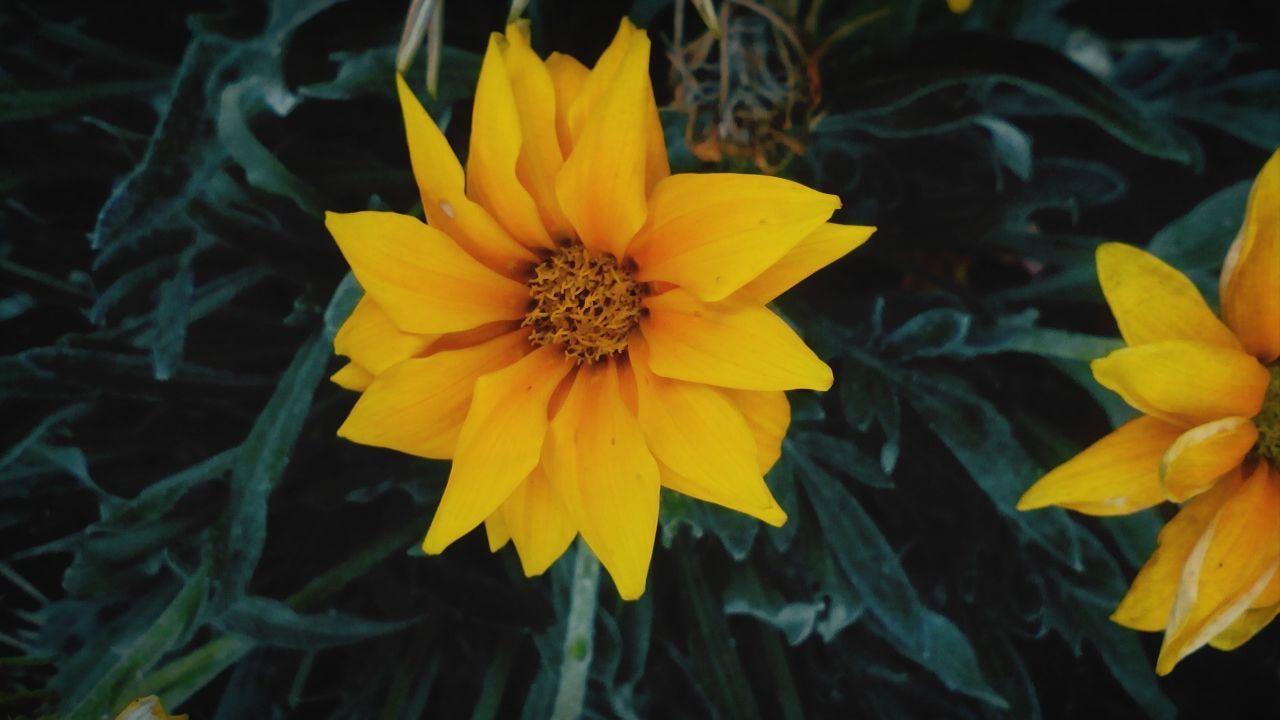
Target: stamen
{"x":588,"y":305}
{"x":1268,"y":421}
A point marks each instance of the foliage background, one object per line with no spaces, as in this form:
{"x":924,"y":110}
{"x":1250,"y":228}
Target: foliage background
{"x":179,"y":518}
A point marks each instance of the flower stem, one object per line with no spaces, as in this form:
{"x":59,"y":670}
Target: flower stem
{"x":578,"y":635}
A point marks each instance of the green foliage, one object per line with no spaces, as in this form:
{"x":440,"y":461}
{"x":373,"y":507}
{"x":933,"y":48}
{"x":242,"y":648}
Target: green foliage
{"x":180,"y":518}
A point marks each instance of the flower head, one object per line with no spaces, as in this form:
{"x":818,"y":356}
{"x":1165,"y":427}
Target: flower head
{"x":1209,"y":437}
{"x":574,"y":326}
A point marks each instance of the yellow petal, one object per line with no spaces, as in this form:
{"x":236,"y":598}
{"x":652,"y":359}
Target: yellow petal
{"x":745,"y":347}
{"x":600,"y":467}
{"x":418,"y":406}
{"x":496,"y":138}
{"x":539,"y":523}
{"x":352,"y":377}
{"x":820,"y":248}
{"x":1185,"y":383}
{"x":370,"y":339}
{"x":147,"y":708}
{"x":702,"y":438}
{"x":1153,"y":302}
{"x":1231,"y":564}
{"x":421,"y":278}
{"x":593,"y":86}
{"x":1270,"y":596}
{"x":1251,"y":291}
{"x":1117,"y":475}
{"x":498,"y":445}
{"x":712,"y":233}
{"x":601,"y":187}
{"x":1245,"y":626}
{"x":540,"y":155}
{"x":444,"y":200}
{"x":587,"y":89}
{"x":567,"y":76}
{"x":768,"y":414}
{"x":495,"y":530}
{"x":1147,"y":604}
{"x":1203,"y":454}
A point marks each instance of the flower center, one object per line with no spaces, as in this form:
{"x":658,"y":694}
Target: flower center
{"x":588,"y":305}
{"x":1268,"y":421}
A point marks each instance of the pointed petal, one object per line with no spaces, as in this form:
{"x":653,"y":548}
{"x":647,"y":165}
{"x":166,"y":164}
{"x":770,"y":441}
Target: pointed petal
{"x":539,"y":523}
{"x":1231,"y":564}
{"x":1118,"y":475}
{"x":418,"y":406}
{"x":567,"y":76}
{"x":540,"y":155}
{"x":602,"y":184}
{"x":768,"y":414}
{"x":498,"y":445}
{"x":1150,"y":598}
{"x":599,"y":465}
{"x":352,"y":377}
{"x":1251,"y":290}
{"x":1203,"y":454}
{"x":1245,"y":626}
{"x":711,"y":233}
{"x":497,"y":137}
{"x":820,"y":248}
{"x":1153,"y":302}
{"x":421,"y":278}
{"x":745,"y":347}
{"x":1185,"y":383}
{"x":702,"y":438}
{"x":1270,"y":596}
{"x":369,"y":338}
{"x":596,"y":83}
{"x":585,"y":91}
{"x":495,"y":531}
{"x":444,"y":200}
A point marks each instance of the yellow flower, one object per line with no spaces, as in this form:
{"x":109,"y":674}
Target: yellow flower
{"x":1209,"y":437}
{"x":574,"y":326}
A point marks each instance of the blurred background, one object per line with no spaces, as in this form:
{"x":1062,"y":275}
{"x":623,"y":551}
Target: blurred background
{"x":178,"y":518}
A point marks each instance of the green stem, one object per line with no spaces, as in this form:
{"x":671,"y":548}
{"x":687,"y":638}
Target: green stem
{"x":579,"y":629}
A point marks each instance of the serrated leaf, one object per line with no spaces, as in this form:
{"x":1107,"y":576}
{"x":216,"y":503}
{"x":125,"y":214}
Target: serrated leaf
{"x":260,"y":462}
{"x":982,"y":440}
{"x":931,"y":333}
{"x":263,"y":170}
{"x":871,"y":566}
{"x":172,"y":308}
{"x":1012,"y":146}
{"x":839,"y":454}
{"x":1197,"y":242}
{"x":745,"y":595}
{"x":273,"y":623}
{"x":176,"y":163}
{"x":159,"y":497}
{"x":866,"y":558}
{"x":936,"y":62}
{"x":723,"y":680}
{"x":144,"y":652}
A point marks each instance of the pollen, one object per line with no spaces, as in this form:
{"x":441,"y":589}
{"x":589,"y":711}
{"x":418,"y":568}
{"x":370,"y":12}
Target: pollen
{"x":1268,"y":421}
{"x":585,"y":304}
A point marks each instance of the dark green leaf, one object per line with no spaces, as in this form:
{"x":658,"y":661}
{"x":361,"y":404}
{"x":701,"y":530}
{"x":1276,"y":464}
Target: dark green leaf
{"x":271,"y":622}
{"x":941,"y":61}
{"x":260,"y":462}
